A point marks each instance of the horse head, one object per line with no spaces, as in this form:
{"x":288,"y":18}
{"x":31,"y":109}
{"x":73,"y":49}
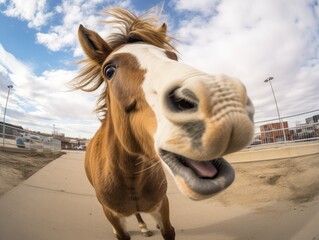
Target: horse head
{"x":161,"y":107}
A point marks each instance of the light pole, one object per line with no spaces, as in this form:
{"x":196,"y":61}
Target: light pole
{"x":53,"y":133}
{"x":280,"y":120}
{"x":4,"y":115}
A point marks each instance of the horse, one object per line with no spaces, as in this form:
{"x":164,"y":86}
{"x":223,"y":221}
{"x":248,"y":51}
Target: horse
{"x":156,"y":111}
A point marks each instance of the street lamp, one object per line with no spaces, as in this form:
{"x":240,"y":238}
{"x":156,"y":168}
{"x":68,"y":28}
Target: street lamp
{"x":53,"y":133}
{"x":280,"y":120}
{"x":4,"y":115}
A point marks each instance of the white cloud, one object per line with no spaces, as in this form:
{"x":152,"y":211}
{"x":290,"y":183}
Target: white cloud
{"x":253,"y":40}
{"x":73,"y":13}
{"x":64,"y":35}
{"x":34,"y":11}
{"x":40,"y":101}
{"x":203,"y":6}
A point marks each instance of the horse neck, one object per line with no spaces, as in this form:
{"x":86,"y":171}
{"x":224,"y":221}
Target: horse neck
{"x":119,"y":157}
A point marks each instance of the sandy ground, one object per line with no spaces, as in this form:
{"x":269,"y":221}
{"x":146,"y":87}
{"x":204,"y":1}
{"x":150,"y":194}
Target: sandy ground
{"x":276,"y":199}
{"x":15,"y":167}
{"x":295,"y":180}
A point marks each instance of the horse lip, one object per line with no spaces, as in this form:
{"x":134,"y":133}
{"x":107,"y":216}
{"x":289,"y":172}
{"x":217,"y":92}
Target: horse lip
{"x":202,"y":186}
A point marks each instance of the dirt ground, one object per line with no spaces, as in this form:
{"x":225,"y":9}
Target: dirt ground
{"x":294,"y":180}
{"x":15,"y":167}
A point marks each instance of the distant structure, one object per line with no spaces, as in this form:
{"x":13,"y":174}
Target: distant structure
{"x":10,"y":130}
{"x":272,"y":132}
{"x":38,"y":140}
{"x":69,"y":143}
{"x":310,"y":129}
{"x":313,"y":119}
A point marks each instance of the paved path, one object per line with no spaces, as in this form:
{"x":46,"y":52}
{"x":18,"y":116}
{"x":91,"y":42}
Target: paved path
{"x":58,"y":203}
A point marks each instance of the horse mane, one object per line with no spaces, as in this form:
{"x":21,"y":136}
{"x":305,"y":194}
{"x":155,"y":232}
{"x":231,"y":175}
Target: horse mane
{"x":131,"y":28}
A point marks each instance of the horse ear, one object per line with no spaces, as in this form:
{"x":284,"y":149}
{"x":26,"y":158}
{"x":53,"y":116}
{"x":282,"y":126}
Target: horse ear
{"x":163,"y":28}
{"x":93,"y":45}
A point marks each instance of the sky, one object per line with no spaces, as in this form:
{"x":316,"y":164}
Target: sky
{"x":250,"y":40}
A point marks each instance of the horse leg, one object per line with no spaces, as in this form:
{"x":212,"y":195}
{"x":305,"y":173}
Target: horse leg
{"x":142,"y":225}
{"x":117,"y":224}
{"x":163,"y":222}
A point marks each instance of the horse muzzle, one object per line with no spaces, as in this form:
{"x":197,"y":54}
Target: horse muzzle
{"x":198,"y":179}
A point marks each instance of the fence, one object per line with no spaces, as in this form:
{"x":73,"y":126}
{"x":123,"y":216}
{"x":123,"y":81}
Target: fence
{"x":16,"y":137}
{"x":295,"y":128}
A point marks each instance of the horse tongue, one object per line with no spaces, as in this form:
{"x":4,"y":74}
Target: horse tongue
{"x":202,"y":169}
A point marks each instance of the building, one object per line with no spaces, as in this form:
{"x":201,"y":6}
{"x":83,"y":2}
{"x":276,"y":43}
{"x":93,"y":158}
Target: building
{"x":11,"y":131}
{"x":313,"y":119}
{"x":74,"y":143}
{"x":310,"y":129}
{"x":273,"y":132}
{"x":304,"y":131}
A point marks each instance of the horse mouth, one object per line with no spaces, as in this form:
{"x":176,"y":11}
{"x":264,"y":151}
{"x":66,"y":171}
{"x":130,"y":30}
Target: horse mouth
{"x":204,"y":178}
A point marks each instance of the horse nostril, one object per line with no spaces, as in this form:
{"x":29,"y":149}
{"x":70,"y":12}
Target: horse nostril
{"x":180,"y":101}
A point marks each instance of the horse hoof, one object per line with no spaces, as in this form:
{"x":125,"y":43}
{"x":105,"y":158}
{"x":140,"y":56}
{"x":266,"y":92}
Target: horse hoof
{"x":147,"y":234}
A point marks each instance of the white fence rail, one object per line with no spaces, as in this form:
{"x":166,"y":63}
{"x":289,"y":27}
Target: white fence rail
{"x":301,"y":127}
{"x":17,"y":137}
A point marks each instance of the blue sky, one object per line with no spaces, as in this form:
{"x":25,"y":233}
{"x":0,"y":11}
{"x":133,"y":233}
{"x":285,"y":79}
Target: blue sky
{"x":251,"y":40}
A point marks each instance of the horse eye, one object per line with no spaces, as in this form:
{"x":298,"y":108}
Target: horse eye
{"x":109,"y":71}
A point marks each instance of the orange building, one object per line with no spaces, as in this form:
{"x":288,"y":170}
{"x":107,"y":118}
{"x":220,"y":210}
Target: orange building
{"x":273,"y":132}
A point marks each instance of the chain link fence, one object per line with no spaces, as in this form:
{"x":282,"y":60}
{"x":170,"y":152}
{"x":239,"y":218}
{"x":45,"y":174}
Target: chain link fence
{"x":302,"y":127}
{"x":16,"y":137}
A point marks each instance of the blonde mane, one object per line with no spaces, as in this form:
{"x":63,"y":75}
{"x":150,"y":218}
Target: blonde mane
{"x":131,"y":29}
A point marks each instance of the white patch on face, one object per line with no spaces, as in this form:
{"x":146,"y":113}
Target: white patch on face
{"x":162,"y":74}
{"x":161,"y":70}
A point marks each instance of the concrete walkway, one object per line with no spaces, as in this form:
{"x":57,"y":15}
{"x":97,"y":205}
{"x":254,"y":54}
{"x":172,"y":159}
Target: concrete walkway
{"x":58,"y":203}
